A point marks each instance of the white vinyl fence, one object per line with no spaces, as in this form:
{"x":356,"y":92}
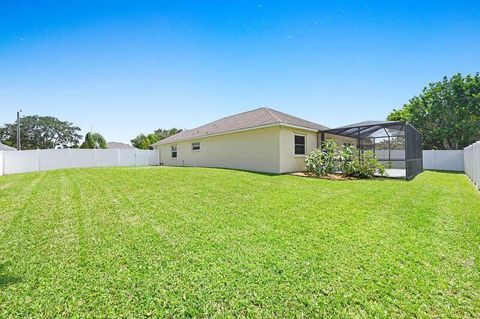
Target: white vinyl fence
{"x":444,"y":160}
{"x":43,"y":160}
{"x":472,"y":162}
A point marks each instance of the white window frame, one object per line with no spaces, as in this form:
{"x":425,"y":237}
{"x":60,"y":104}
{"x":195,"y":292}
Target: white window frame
{"x":199,"y":147}
{"x":304,"y":145}
{"x":174,"y":151}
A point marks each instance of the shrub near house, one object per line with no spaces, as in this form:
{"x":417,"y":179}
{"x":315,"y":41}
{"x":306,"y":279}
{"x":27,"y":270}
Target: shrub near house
{"x":330,"y":159}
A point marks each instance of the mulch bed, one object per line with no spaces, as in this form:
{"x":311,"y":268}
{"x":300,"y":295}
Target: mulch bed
{"x":334,"y":177}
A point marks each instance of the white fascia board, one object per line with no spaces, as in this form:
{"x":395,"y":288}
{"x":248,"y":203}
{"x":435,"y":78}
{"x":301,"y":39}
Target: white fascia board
{"x":235,"y":131}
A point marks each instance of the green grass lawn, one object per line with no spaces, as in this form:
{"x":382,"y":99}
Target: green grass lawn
{"x":181,"y":242}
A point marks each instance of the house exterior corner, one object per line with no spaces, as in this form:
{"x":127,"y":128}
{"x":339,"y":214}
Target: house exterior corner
{"x":252,"y":150}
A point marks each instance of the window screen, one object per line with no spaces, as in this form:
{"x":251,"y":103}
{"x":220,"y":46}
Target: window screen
{"x":174,"y":151}
{"x":299,"y":144}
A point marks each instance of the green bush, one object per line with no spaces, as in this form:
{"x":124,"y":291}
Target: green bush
{"x":347,"y":160}
{"x":365,"y":165}
{"x":347,"y":157}
{"x":323,"y":161}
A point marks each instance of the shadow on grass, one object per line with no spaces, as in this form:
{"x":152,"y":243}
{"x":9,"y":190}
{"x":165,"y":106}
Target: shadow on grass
{"x":7,"y":279}
{"x":227,"y":169}
{"x":375,"y":178}
{"x":444,"y":171}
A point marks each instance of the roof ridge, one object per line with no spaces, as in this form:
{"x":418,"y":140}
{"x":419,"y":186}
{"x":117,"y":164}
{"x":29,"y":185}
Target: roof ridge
{"x":270,"y":112}
{"x":223,"y":118}
{"x":292,"y":116}
{"x":226,"y":117}
{"x":258,"y":117}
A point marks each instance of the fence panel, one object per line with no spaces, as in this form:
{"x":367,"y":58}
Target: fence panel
{"x":446,"y":160}
{"x":154,"y":158}
{"x":104,"y":158}
{"x":127,"y":157}
{"x":472,"y":163}
{"x":20,"y":162}
{"x":42,"y":160}
{"x":143,"y":158}
{"x":53,"y":160}
{"x":80,"y":158}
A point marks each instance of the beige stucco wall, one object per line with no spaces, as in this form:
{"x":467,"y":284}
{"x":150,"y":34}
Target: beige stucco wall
{"x":254,"y":150}
{"x":269,"y":149}
{"x":289,"y":162}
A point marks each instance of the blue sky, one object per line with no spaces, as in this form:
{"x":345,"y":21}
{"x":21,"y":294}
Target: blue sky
{"x":127,"y":67}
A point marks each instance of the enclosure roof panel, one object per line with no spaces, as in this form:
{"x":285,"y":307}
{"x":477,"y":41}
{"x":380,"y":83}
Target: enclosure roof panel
{"x":367,"y":129}
{"x":369,"y":123}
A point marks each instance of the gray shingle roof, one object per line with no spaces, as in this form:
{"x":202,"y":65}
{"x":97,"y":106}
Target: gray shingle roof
{"x":255,"y":118}
{"x":4,"y":147}
{"x":118,"y":145}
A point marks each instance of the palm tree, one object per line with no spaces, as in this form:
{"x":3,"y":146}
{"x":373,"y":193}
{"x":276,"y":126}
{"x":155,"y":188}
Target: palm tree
{"x":94,"y":140}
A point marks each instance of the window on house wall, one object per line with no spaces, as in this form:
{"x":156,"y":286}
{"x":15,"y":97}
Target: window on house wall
{"x":196,"y":146}
{"x":299,"y":144}
{"x":174,"y":151}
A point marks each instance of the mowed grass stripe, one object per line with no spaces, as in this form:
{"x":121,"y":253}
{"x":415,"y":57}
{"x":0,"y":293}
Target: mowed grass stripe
{"x":180,"y":242}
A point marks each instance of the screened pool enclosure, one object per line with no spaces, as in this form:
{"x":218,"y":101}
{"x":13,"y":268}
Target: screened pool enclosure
{"x":397,"y":145}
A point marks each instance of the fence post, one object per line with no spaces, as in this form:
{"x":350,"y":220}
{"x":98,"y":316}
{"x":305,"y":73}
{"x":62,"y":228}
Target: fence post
{"x":2,"y":163}
{"x":94,"y":157}
{"x":471,"y":158}
{"x":136,"y":155}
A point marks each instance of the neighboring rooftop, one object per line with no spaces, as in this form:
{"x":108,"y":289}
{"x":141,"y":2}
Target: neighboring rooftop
{"x":118,"y":145}
{"x":4,"y":147}
{"x":246,"y":120}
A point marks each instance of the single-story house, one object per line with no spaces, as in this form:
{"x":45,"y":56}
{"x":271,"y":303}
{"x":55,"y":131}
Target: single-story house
{"x":263,"y":140}
{"x":266,"y":140}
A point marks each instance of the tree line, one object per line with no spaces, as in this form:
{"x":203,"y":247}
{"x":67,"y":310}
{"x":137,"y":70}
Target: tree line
{"x":447,"y":113}
{"x":145,"y":142}
{"x":48,"y":132}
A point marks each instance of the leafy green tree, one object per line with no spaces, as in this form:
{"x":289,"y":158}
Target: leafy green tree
{"x":161,"y":133}
{"x":94,"y":140}
{"x":447,"y":113}
{"x":141,"y":141}
{"x":41,"y":132}
{"x":144,"y":142}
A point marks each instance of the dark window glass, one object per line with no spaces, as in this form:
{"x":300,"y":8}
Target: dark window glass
{"x":299,"y":139}
{"x":196,"y":146}
{"x":174,"y":152}
{"x":299,"y":145}
{"x":299,"y":150}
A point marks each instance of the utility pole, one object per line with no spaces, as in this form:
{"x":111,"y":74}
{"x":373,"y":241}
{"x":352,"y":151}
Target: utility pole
{"x":18,"y":130}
